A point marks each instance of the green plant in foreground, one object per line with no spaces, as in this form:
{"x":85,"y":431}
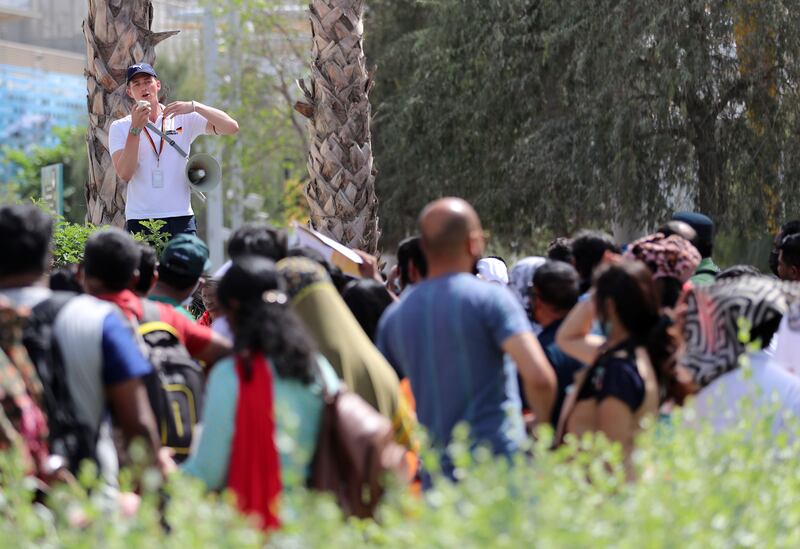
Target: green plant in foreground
{"x":695,"y":489}
{"x":153,"y":235}
{"x":69,"y":239}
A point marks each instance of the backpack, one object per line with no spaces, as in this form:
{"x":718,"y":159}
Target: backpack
{"x":176,"y":385}
{"x":355,"y":451}
{"x":69,"y":437}
{"x":23,"y":423}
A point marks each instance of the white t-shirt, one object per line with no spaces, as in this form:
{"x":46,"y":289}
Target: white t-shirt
{"x":786,"y":343}
{"x":147,"y":197}
{"x":719,"y":402}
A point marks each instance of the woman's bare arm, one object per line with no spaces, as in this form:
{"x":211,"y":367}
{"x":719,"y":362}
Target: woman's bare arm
{"x":574,"y":337}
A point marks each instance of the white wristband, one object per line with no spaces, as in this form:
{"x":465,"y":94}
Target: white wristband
{"x":193,"y":109}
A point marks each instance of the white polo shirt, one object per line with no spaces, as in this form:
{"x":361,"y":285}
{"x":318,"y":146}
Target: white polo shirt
{"x":152,"y":197}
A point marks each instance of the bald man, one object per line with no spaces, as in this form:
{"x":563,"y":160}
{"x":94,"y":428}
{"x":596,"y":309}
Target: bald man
{"x":450,"y":332}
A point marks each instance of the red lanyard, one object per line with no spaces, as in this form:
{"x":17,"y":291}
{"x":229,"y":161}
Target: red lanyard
{"x":153,"y":143}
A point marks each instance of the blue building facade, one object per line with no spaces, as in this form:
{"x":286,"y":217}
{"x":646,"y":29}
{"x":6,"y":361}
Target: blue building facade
{"x":34,"y":101}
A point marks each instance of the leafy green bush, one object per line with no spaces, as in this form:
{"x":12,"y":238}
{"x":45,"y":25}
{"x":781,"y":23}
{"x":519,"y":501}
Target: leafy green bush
{"x":738,"y":489}
{"x":76,"y":517}
{"x":69,"y":239}
{"x":153,"y":235}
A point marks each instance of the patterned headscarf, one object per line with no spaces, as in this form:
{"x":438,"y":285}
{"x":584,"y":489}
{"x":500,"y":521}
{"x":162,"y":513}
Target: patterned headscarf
{"x":714,"y":316}
{"x":667,"y":257}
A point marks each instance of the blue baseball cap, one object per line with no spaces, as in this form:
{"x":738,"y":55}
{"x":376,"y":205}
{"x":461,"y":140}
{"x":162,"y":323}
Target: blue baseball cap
{"x":140,"y":68}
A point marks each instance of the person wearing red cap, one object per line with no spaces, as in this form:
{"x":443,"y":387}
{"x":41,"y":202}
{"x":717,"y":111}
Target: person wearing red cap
{"x":153,"y":170}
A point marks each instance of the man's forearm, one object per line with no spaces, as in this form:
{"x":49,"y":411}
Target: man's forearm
{"x":129,"y":160}
{"x":541,"y":398}
{"x":222,"y":122}
{"x":131,"y":409}
{"x":538,"y":377}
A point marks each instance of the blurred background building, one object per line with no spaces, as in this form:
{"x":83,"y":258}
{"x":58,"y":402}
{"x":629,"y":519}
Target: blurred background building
{"x":42,"y":59}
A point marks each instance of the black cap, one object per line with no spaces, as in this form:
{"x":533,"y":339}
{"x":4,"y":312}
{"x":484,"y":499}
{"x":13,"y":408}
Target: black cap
{"x":702,"y":224}
{"x":140,"y":68}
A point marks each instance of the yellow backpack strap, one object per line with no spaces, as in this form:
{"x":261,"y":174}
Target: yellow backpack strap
{"x":150,"y":327}
{"x":151,"y":320}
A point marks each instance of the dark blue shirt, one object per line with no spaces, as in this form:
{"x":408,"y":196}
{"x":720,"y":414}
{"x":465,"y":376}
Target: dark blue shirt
{"x":564,"y":366}
{"x":615,"y":375}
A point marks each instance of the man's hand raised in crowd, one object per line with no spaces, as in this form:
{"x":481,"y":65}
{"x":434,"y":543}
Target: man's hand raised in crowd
{"x":369,"y":266}
{"x":179,"y":107}
{"x":219,"y":122}
{"x":126,"y":161}
{"x":139,"y":115}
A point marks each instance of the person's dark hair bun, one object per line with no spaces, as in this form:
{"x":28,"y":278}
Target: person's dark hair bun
{"x":255,"y":291}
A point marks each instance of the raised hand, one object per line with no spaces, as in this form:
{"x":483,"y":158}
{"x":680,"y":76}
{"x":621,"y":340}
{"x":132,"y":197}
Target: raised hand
{"x":140,"y":114}
{"x":178,"y":107}
{"x":369,"y":268}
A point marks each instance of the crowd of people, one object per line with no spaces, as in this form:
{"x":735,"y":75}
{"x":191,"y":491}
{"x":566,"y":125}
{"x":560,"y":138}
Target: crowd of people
{"x":596,"y":336}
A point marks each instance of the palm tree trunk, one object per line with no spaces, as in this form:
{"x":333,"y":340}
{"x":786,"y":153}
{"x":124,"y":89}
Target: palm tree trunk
{"x":341,"y":189}
{"x":117,"y":35}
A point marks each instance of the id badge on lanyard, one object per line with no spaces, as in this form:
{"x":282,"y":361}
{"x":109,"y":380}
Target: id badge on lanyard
{"x":158,"y":179}
{"x":157,"y":175}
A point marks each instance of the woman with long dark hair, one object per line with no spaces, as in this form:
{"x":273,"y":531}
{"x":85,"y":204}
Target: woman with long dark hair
{"x":632,"y":364}
{"x":275,"y":368}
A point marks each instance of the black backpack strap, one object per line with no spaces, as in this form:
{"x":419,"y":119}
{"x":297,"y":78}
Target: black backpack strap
{"x":47,"y":311}
{"x":150,"y":312}
{"x":41,"y":319}
{"x":68,"y":437}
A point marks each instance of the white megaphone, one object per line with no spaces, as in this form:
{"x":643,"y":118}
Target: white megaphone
{"x":203,"y":173}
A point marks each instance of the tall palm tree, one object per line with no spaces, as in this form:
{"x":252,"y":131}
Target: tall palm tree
{"x":341,"y":189}
{"x":117,"y":35}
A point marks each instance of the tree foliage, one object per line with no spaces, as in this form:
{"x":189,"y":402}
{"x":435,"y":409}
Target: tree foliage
{"x":259,"y":62}
{"x":552,"y":115}
{"x":24,"y":167}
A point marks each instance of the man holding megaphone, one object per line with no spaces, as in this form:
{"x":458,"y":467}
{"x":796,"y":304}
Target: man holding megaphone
{"x":149,"y":148}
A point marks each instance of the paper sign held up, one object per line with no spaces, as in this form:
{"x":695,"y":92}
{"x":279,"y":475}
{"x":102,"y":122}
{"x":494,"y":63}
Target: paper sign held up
{"x":337,"y":254}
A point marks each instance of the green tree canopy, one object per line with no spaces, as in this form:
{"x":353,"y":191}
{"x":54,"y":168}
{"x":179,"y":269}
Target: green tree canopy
{"x":24,"y":169}
{"x":556,"y":115}
{"x":259,"y":61}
